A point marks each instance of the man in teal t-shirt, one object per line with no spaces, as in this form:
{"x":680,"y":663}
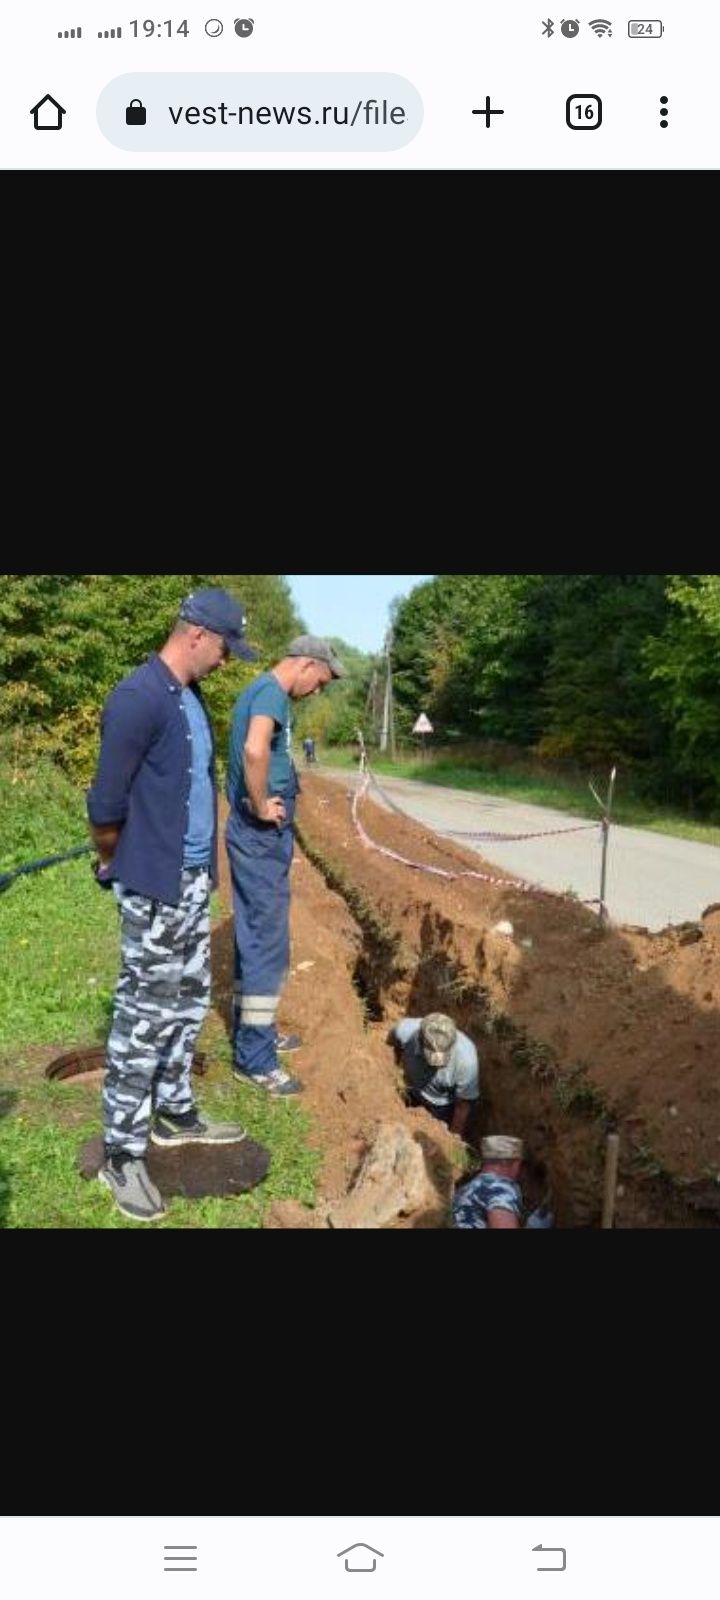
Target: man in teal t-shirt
{"x":262,"y":789}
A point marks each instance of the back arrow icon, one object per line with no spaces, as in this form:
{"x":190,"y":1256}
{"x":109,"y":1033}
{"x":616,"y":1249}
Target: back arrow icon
{"x":542,"y":1549}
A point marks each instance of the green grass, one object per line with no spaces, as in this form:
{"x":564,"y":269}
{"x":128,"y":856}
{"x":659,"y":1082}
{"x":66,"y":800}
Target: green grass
{"x":58,"y":931}
{"x":535,"y":788}
{"x":41,"y":814}
{"x":60,"y":947}
{"x":42,"y":1130}
{"x":59,"y":938}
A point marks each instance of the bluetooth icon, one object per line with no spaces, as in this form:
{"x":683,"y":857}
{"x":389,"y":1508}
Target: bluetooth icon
{"x":548,"y":28}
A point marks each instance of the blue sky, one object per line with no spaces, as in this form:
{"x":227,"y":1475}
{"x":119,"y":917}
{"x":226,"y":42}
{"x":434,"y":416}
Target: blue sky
{"x":354,"y":608}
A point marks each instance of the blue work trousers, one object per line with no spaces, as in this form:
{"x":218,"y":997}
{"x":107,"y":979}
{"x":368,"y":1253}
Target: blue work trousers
{"x":261,"y":856}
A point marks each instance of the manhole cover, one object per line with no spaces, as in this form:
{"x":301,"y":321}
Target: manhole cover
{"x":89,"y":1065}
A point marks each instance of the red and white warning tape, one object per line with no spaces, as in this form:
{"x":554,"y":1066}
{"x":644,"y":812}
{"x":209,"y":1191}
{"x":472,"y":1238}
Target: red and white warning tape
{"x":488,"y":838}
{"x":442,"y":872}
{"x":519,"y":838}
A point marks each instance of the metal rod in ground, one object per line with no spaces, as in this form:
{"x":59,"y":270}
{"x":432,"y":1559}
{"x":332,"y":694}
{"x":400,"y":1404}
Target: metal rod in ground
{"x":612,"y":1160}
{"x":606,"y":826}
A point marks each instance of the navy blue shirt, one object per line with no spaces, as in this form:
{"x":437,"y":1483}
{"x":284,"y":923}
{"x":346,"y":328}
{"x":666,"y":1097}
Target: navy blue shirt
{"x":143,"y":783}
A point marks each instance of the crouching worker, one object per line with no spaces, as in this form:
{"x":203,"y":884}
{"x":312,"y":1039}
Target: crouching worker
{"x":442,"y":1070}
{"x":494,"y":1198}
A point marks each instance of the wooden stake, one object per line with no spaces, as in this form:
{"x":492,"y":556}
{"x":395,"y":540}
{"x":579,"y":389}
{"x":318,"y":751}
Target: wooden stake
{"x":612,"y":1160}
{"x":607,"y":817}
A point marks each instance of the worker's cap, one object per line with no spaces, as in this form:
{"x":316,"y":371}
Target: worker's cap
{"x":217,"y":611}
{"x":439,"y":1038}
{"x":317,"y":650}
{"x":501,"y":1149}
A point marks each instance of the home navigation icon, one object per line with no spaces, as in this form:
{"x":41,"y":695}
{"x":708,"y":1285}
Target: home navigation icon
{"x":48,"y":115}
{"x":361,"y":1558}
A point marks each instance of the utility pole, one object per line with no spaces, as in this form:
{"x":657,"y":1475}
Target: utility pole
{"x":371,"y":706}
{"x":388,"y":741}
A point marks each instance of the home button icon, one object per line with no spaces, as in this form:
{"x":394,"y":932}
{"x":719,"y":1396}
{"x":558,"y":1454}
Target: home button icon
{"x":48,"y":115}
{"x":361,"y":1558}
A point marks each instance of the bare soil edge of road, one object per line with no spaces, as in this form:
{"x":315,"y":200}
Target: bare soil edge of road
{"x":579,"y":1033}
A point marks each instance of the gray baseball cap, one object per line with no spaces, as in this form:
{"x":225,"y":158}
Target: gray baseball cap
{"x":501,"y":1148}
{"x":439,"y":1038}
{"x":317,"y":650}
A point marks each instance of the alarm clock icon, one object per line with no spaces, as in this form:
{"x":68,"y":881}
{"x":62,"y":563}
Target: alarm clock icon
{"x":571,"y":29}
{"x":244,"y":27}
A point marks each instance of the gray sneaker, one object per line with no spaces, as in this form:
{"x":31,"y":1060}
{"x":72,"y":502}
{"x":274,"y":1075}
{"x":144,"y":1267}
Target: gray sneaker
{"x":277,"y":1084}
{"x":174,"y":1132}
{"x":132,"y":1189}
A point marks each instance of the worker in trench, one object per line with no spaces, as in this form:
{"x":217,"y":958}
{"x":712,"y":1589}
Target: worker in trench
{"x":494,"y":1197}
{"x":441,"y":1067}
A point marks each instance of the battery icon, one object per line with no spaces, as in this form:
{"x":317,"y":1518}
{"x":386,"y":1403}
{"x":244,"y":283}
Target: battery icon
{"x":644,"y":29}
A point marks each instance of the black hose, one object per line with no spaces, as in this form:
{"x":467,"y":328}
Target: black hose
{"x":6,"y":878}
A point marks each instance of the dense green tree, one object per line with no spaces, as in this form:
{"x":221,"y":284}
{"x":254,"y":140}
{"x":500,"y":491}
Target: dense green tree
{"x":586,"y":667}
{"x":600,"y":706}
{"x":470,"y":650}
{"x":685,"y":666}
{"x":66,"y":641}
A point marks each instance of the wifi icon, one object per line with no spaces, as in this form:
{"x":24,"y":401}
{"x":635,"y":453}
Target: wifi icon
{"x":601,"y":27}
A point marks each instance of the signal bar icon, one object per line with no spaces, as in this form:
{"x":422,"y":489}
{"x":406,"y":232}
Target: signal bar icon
{"x":71,"y":33}
{"x":111,"y":33}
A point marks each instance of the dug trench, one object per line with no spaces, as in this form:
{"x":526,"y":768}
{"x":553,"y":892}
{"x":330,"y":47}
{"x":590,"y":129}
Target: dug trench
{"x":580,"y":1031}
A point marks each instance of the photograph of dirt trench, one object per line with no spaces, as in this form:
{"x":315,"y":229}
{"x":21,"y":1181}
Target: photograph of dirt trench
{"x":509,"y":817}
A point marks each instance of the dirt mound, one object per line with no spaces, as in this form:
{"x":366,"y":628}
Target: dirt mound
{"x":196,"y":1171}
{"x":352,"y":1087}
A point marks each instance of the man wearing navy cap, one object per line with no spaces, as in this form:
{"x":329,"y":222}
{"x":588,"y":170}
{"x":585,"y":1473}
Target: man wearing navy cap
{"x":154,"y":818}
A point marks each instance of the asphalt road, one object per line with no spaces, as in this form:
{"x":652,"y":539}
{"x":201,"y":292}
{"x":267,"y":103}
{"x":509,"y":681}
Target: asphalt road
{"x":653,"y":880}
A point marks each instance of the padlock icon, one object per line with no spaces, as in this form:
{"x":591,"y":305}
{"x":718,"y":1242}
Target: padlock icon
{"x":135,"y":114}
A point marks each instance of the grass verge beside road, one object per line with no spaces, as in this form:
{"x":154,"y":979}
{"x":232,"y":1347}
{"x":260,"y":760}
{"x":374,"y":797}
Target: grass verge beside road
{"x":529,"y":786}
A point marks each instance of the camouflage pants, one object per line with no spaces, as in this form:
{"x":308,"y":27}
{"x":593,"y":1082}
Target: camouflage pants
{"x":162,"y":999}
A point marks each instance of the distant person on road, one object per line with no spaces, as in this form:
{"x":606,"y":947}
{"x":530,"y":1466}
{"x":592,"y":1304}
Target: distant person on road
{"x":442,"y":1069}
{"x":310,"y":752}
{"x":494,"y":1198}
